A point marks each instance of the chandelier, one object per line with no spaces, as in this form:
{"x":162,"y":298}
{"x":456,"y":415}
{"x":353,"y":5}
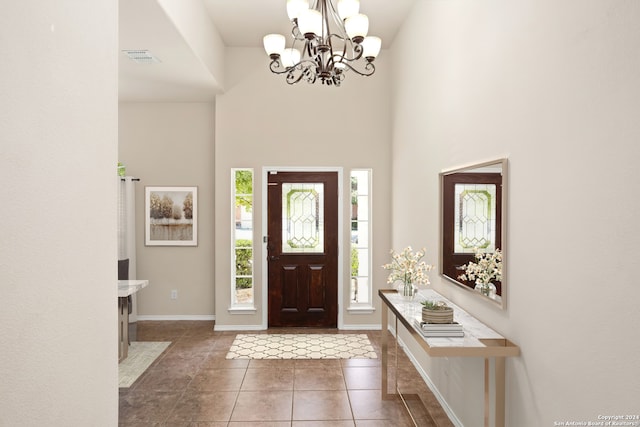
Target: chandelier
{"x":326,"y":43}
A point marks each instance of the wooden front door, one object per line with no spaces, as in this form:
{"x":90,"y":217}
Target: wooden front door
{"x":302,"y":249}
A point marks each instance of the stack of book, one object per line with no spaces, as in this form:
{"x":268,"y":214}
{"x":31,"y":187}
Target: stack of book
{"x":432,"y":330}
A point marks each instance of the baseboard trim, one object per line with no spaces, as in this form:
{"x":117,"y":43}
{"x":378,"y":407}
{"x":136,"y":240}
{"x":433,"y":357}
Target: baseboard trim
{"x":238,"y":328}
{"x":363,"y":327}
{"x":176,"y":317}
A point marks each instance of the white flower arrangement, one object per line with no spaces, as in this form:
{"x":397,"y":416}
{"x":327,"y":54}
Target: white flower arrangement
{"x":408,"y":267}
{"x":487,"y":268}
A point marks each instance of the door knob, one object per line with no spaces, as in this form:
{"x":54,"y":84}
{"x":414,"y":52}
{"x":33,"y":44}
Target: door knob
{"x":273,"y":258}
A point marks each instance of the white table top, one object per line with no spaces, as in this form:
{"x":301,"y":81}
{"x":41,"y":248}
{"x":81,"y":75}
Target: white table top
{"x":130,"y":287}
{"x":479,"y":339}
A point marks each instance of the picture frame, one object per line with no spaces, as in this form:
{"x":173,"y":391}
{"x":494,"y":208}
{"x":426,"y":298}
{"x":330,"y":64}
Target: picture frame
{"x":171,"y":216}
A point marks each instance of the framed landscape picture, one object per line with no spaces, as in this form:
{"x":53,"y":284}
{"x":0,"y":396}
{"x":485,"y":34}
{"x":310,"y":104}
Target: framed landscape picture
{"x":171,"y":216}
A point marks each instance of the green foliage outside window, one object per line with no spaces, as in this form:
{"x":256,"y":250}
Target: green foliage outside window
{"x":244,"y":186}
{"x":355,"y":263}
{"x":243,"y":264}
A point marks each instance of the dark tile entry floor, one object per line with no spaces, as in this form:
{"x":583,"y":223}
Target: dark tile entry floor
{"x":193,"y":385}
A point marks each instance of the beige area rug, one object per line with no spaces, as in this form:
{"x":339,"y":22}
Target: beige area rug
{"x":301,"y":346}
{"x":141,"y":356}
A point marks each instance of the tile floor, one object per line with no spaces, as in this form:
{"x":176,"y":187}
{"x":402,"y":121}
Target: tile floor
{"x":192,"y":385}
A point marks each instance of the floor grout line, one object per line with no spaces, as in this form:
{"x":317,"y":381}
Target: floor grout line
{"x":209,"y":354}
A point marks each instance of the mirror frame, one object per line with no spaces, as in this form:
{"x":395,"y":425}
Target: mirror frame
{"x":503,"y":163}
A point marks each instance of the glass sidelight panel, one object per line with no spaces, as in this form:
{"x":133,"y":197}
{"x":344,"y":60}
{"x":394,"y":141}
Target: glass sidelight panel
{"x":360,"y":238}
{"x":242,"y":292}
{"x":475,"y":217}
{"x":302,"y":217}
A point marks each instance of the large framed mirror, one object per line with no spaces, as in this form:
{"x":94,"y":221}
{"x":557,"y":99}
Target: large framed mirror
{"x":473,"y":219}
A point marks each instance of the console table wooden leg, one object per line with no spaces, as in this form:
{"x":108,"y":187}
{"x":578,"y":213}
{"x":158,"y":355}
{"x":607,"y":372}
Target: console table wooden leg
{"x":487,"y":395}
{"x":499,"y":391}
{"x":385,"y":352}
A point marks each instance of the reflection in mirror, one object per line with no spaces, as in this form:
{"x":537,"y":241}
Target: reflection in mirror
{"x":472,"y":226}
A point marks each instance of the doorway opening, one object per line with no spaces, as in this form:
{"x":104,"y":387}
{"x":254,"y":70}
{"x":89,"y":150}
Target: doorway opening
{"x":303,"y":232}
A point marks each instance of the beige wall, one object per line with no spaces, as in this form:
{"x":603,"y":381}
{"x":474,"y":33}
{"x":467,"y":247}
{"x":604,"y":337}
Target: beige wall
{"x":171,"y":144}
{"x":58,"y":145}
{"x":261,"y":121}
{"x":554,"y":86}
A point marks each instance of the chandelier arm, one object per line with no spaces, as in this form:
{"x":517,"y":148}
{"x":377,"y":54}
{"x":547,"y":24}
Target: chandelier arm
{"x":295,"y":32}
{"x":306,"y":64}
{"x":292,"y":78}
{"x":303,"y":69}
{"x":357,"y":49}
{"x":297,"y":73}
{"x":369,"y":69}
{"x":310,"y":76}
{"x":275,"y":66}
{"x":338,"y":36}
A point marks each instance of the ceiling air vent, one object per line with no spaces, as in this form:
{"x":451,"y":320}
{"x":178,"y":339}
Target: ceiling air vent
{"x":141,"y":56}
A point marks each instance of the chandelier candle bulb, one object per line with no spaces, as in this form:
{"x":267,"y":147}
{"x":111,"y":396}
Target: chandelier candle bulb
{"x":290,"y":57}
{"x":310,"y":23}
{"x":348,"y":8}
{"x":357,"y":27}
{"x":371,"y":47}
{"x":294,"y":7}
{"x":274,"y":45}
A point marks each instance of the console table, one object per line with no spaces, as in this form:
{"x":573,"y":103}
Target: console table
{"x":479,"y":341}
{"x":125,"y":289}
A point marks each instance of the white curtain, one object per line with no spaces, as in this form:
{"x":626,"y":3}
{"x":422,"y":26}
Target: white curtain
{"x":127,"y":230}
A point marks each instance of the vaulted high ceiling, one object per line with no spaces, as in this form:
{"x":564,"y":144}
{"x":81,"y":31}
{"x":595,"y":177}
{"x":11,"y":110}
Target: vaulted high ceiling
{"x":188,"y":37}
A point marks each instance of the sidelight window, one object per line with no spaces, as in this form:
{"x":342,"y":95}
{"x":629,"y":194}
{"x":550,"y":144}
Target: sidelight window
{"x":360,"y":253}
{"x":242,"y":261}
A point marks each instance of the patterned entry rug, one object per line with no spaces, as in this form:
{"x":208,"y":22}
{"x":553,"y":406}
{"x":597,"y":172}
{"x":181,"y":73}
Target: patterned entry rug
{"x":141,"y":355}
{"x":301,"y":346}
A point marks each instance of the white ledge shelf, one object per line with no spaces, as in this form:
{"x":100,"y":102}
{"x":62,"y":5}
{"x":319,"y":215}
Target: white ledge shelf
{"x":242,"y":310}
{"x":361,"y":310}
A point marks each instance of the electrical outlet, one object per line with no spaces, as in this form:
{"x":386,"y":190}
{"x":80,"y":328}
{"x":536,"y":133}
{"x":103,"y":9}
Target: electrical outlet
{"x":174,"y":294}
